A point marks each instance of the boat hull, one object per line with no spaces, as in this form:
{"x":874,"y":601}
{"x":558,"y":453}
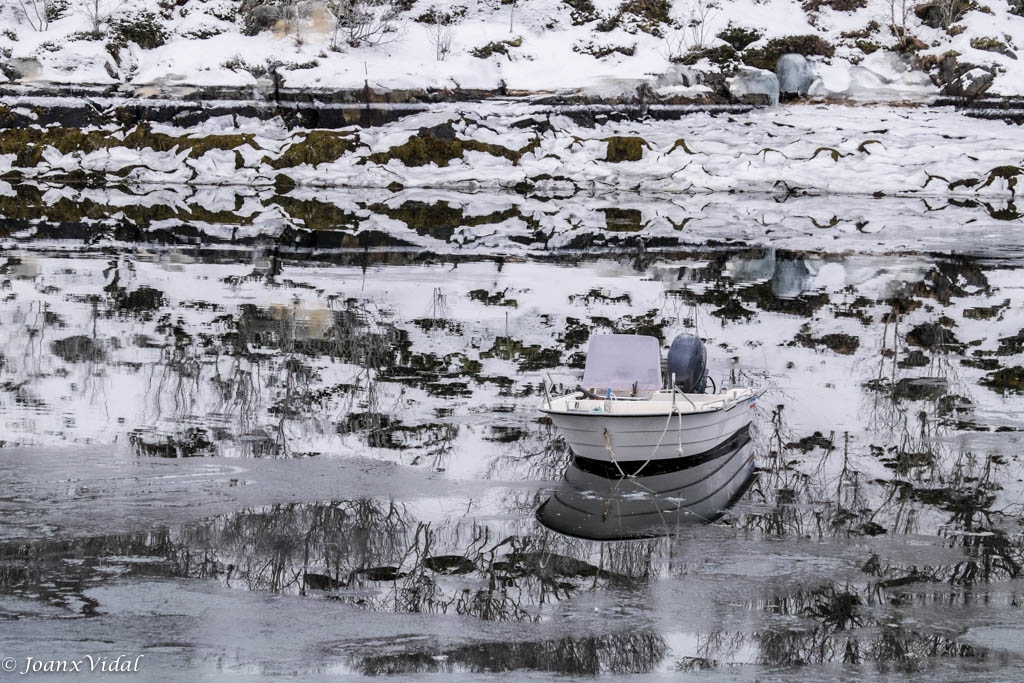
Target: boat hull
{"x":663,"y":434}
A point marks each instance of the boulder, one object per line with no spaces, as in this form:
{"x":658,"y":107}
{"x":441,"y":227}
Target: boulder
{"x":754,"y":86}
{"x":970,"y":84}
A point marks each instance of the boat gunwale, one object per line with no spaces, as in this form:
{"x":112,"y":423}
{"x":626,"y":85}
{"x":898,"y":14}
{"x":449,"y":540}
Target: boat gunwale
{"x":670,"y":410}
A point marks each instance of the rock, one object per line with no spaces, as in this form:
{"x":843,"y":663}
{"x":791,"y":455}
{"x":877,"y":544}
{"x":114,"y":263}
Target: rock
{"x":795,"y":74}
{"x":931,"y":14}
{"x":755,"y":86}
{"x":993,"y":45}
{"x":881,"y":76}
{"x":625,"y":148}
{"x":971,"y":84}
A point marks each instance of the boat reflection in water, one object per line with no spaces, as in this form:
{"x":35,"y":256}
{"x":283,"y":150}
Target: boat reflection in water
{"x":605,"y":504}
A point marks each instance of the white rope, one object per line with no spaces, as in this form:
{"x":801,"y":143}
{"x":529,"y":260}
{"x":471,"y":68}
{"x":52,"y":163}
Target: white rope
{"x":668,"y":421}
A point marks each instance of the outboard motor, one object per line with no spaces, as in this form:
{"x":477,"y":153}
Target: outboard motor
{"x":688,"y":361}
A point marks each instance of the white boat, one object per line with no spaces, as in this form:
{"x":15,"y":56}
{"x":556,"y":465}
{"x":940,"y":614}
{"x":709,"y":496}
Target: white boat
{"x":622,"y":421}
{"x":588,"y":505}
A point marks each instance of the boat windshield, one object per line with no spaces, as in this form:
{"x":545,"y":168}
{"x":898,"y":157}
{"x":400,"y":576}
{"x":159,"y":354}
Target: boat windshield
{"x":617,"y":361}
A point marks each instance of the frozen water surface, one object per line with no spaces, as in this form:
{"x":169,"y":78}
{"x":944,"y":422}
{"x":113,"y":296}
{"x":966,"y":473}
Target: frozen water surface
{"x":297,"y":435}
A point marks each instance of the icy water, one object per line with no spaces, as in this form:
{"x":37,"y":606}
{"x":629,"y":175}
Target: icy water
{"x":242,"y":449}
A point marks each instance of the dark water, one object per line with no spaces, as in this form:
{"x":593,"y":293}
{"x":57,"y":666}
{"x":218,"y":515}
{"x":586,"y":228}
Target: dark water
{"x":242,"y":447}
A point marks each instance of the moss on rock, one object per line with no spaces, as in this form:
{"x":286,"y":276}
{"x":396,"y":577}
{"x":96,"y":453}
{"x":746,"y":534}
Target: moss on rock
{"x":625,"y":148}
{"x":768,"y":56}
{"x":420,"y":150}
{"x":317,"y":215}
{"x":623,"y":220}
{"x":200,"y":145}
{"x":317,"y":147}
{"x":439,"y":145}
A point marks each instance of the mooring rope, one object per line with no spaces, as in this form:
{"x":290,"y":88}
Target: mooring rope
{"x":611,"y":453}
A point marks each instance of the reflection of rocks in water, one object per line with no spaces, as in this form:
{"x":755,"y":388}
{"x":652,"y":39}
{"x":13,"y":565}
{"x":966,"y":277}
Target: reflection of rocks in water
{"x":194,"y":442}
{"x":616,"y":653}
{"x":1006,"y":380}
{"x":953,"y":277}
{"x":815,"y":440}
{"x":910,"y":388}
{"x":920,"y":388}
{"x":383,"y":431}
{"x":754,"y":265}
{"x":914,"y":359}
{"x":78,"y":349}
{"x":935,"y":336}
{"x":841,"y":343}
{"x":1011,"y":346}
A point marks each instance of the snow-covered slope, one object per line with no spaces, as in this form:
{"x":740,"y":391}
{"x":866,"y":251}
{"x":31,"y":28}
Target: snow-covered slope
{"x":602,"y":47}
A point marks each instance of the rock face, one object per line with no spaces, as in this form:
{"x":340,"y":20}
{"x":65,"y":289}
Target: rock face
{"x":795,"y":75}
{"x":755,"y":86}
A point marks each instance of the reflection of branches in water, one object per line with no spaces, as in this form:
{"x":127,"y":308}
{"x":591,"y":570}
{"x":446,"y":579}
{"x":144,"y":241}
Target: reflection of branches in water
{"x":176,"y":375}
{"x":274,"y":548}
{"x":93,"y":378}
{"x":714,"y":647}
{"x":835,"y":628}
{"x":540,"y":454}
{"x":237,"y":394}
{"x":779,"y":484}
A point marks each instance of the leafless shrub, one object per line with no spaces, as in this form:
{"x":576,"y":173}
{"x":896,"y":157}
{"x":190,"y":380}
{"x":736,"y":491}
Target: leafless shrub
{"x":699,"y":21}
{"x":36,"y":13}
{"x":951,"y":11}
{"x":692,"y":29}
{"x":97,"y":11}
{"x":363,"y":22}
{"x":899,"y":14}
{"x":442,"y":30}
